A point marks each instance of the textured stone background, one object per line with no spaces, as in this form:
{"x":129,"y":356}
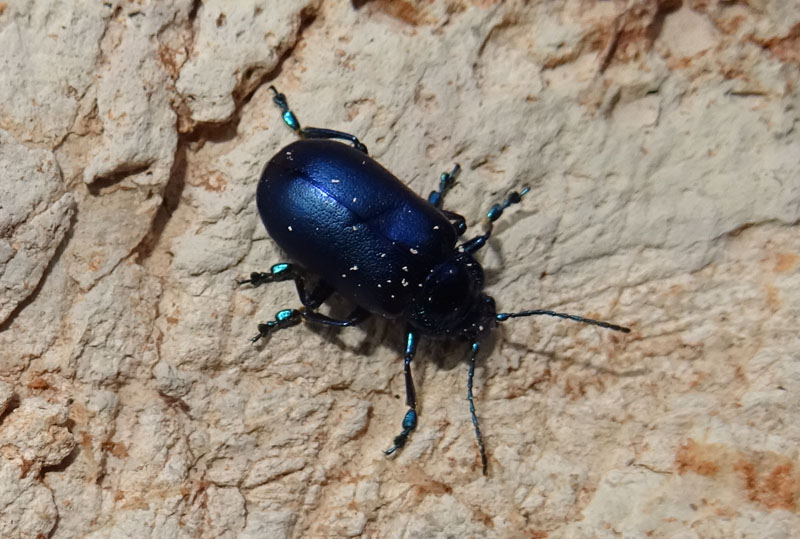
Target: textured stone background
{"x":660,"y":139}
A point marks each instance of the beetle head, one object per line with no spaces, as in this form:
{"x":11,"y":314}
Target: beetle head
{"x":451,"y":302}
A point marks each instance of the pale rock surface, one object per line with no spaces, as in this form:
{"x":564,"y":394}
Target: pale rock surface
{"x":35,"y":215}
{"x":660,"y":140}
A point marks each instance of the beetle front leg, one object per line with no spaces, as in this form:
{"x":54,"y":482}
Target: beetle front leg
{"x":290,"y":119}
{"x":493,"y":215}
{"x":410,"y":419}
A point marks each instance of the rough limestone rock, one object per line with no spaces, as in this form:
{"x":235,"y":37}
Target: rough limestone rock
{"x":661,"y":142}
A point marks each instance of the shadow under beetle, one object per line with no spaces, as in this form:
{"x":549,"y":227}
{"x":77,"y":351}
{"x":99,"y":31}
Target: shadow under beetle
{"x":348,"y":222}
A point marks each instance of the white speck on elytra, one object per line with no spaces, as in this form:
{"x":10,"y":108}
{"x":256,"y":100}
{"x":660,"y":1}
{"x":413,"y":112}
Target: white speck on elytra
{"x":379,"y":286}
{"x":405,"y":268}
{"x":334,"y":181}
{"x":354,"y":268}
{"x":355,"y":227}
{"x":289,"y":228}
{"x":392,"y":295}
{"x":355,"y":199}
{"x":413,"y":251}
{"x":383,"y":255}
{"x":388,"y":281}
{"x":404,"y":282}
{"x":436,"y":227}
{"x":344,"y":275}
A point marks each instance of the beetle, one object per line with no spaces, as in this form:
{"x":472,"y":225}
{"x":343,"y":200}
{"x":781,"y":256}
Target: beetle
{"x":357,"y":230}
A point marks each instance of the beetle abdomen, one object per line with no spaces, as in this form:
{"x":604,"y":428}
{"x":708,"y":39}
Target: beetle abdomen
{"x":345,"y":218}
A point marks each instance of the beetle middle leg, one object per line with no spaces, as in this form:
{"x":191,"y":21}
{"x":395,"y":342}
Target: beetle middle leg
{"x":290,"y":119}
{"x":436,"y":198}
{"x":410,"y":419}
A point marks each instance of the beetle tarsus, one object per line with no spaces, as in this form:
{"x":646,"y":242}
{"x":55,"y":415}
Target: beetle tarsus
{"x":283,"y":319}
{"x":410,"y":419}
{"x":282,"y":271}
{"x":290,"y":119}
{"x":409,"y":424}
{"x":446,"y":181}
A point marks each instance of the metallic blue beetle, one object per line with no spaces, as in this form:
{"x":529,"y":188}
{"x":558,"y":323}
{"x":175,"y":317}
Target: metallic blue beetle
{"x":356,"y":230}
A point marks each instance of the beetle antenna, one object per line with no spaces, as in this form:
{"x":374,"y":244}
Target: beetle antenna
{"x":478,"y":435}
{"x":502,"y":317}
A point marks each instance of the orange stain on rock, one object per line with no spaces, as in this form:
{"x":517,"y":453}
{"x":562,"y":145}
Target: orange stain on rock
{"x":38,"y":383}
{"x":697,"y":458}
{"x":766,"y":478}
{"x":786,"y":48}
{"x":95,"y":262}
{"x":212,"y":181}
{"x":773,"y":297}
{"x":785,"y":262}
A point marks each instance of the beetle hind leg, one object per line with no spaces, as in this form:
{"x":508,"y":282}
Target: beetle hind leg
{"x":284,"y":271}
{"x":353,"y":319}
{"x":290,"y":119}
{"x":410,"y":419}
{"x":285,"y":318}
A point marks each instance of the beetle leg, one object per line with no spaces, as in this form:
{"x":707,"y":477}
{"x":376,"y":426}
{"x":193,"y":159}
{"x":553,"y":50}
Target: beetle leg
{"x":478,"y":435}
{"x":290,"y":119}
{"x":436,"y":198}
{"x":493,"y":215}
{"x":282,"y":271}
{"x":355,"y":318}
{"x":446,"y":181}
{"x":320,"y":132}
{"x":458,"y":221}
{"x":410,"y":419}
{"x":283,"y":319}
{"x":312,"y":300}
